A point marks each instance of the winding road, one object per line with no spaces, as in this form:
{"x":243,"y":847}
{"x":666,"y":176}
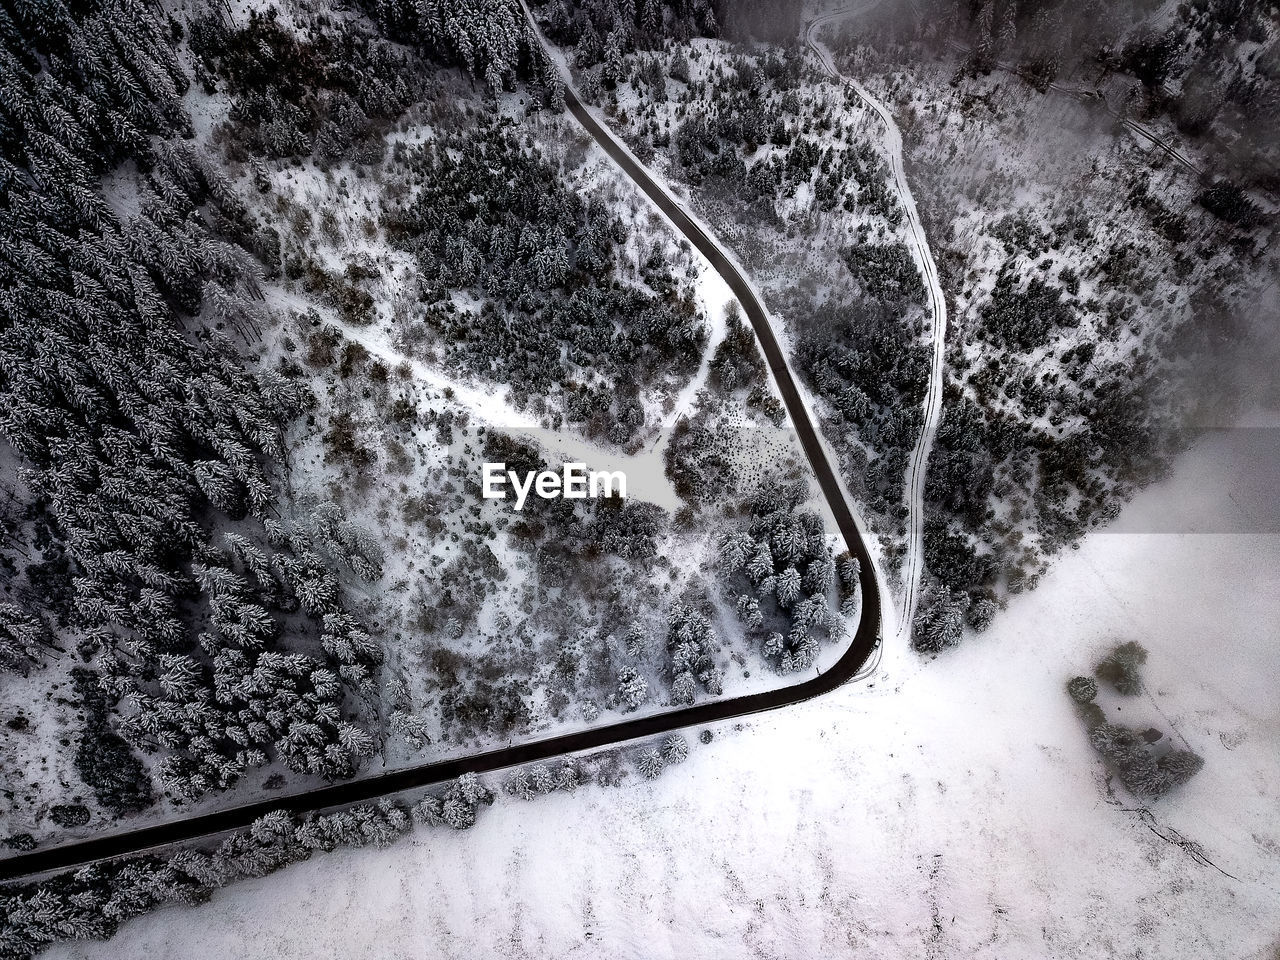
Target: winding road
{"x":865,"y":639}
{"x":918,"y":464}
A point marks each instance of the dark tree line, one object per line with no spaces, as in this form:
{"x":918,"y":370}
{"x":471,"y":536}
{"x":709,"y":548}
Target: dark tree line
{"x":92,"y":902}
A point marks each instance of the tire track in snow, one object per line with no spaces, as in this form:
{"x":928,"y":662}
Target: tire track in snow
{"x":919,"y":461}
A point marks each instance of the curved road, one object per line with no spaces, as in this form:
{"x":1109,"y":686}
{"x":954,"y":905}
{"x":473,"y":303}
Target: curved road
{"x":863,"y":642}
{"x":919,"y":462}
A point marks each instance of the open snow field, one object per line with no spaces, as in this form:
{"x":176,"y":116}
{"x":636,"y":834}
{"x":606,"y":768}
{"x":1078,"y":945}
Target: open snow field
{"x":946,"y":809}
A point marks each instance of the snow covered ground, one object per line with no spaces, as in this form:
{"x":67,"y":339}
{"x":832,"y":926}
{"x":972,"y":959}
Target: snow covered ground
{"x":947,"y":809}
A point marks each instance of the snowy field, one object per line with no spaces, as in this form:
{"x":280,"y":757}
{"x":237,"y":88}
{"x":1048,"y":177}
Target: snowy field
{"x":947,"y":809}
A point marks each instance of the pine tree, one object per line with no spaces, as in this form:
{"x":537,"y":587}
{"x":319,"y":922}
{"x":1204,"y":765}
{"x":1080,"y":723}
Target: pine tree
{"x":1181,"y":765}
{"x":674,"y":748}
{"x":787,"y":587}
{"x":633,"y":690}
{"x":520,"y":785}
{"x":683,"y":688}
{"x":650,"y":764}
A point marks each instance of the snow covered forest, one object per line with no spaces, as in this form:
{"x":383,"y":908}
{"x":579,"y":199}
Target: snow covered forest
{"x":1101,"y":289}
{"x":276,"y":278}
{"x":271,"y":274}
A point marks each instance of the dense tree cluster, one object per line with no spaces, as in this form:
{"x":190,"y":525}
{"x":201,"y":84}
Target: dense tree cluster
{"x":858,"y":361}
{"x":1144,"y":773}
{"x":939,"y":621}
{"x":737,"y":362}
{"x":691,"y":644}
{"x":494,"y":215}
{"x":1228,"y":202}
{"x":785,"y":571}
{"x":753,"y":103}
{"x":1021,"y":315}
{"x":528,"y":783}
{"x":1142,"y":759}
{"x":239,"y":699}
{"x":967,"y":446}
{"x":104,"y":761}
{"x":602,"y":31}
{"x":489,"y":38}
{"x":886,"y":272}
{"x":456,"y":806}
{"x":699,"y":461}
{"x":738,"y":366}
{"x":141,"y":441}
{"x":332,"y":93}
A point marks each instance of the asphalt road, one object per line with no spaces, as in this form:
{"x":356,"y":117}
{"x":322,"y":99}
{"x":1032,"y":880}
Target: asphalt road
{"x":863,"y":642}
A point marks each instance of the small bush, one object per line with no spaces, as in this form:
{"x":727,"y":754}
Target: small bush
{"x":69,"y":815}
{"x":1131,"y":757}
{"x":1082,"y":689}
{"x":20,"y":841}
{"x":1122,"y":668}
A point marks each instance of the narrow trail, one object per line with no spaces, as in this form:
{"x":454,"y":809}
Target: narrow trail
{"x":917,"y":466}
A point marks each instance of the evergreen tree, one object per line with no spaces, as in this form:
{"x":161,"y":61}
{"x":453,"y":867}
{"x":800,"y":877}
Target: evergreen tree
{"x":650,"y":764}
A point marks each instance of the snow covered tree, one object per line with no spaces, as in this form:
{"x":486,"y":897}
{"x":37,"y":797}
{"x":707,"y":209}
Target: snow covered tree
{"x":1122,"y":668}
{"x":650,"y":763}
{"x":818,"y":575}
{"x":939,"y":623}
{"x":519,"y":785}
{"x":1180,"y":766}
{"x":674,"y":748}
{"x":24,"y":638}
{"x":542,"y":779}
{"x":633,"y":689}
{"x":787,"y":587}
{"x":1082,"y":689}
{"x":850,"y":572}
{"x":748,"y":608}
{"x":684,"y":688}
{"x":761,"y":564}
